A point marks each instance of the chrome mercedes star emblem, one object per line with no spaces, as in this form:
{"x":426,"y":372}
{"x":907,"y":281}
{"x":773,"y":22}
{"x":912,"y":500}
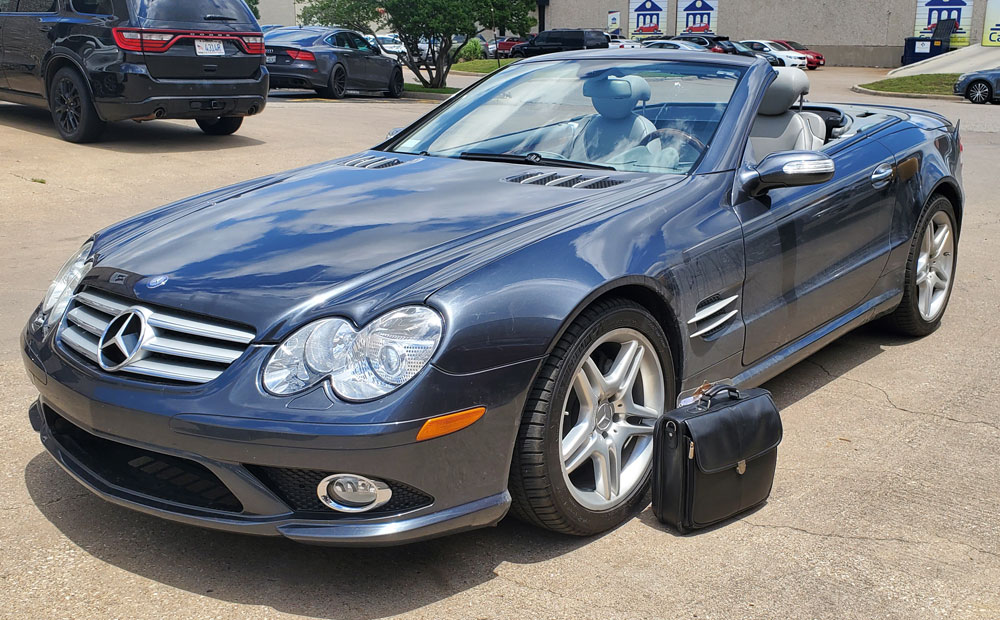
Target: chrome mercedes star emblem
{"x":157,"y":281}
{"x":122,"y":339}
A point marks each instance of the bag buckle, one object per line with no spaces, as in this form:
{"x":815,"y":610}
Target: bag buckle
{"x":741,"y":467}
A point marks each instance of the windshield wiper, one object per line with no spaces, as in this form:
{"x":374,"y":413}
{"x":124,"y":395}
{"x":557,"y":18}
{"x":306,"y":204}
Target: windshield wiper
{"x":533,"y":159}
{"x":219,"y":18}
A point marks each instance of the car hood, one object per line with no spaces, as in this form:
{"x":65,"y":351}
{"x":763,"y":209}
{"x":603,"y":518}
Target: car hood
{"x":339,"y":239}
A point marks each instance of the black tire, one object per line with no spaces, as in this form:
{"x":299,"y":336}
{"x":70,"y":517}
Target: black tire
{"x":220,"y":126}
{"x":337,"y":86}
{"x":979,"y":92}
{"x":395,"y":85}
{"x":906,"y":319}
{"x":537,"y":485}
{"x":813,"y":68}
{"x":72,"y":108}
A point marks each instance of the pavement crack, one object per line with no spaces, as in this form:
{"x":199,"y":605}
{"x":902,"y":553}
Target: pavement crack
{"x":47,"y":182}
{"x":893,"y":404}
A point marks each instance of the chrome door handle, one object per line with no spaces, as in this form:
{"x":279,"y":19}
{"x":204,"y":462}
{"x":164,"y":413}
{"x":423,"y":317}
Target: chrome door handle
{"x":882,"y":175}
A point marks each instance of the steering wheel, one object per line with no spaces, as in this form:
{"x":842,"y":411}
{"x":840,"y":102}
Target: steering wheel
{"x":670,"y":132}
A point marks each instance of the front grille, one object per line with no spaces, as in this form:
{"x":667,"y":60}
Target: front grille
{"x":297,"y":487}
{"x":173,"y":347}
{"x":575,"y":181}
{"x":162,"y":476}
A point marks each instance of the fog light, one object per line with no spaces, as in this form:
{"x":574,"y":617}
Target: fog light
{"x":352,"y":493}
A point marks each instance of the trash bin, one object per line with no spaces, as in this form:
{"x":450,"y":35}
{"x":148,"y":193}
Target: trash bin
{"x":921,"y":48}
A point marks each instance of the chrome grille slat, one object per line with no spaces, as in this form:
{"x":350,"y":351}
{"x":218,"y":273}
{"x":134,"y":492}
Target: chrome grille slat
{"x":175,"y":348}
{"x":572,"y":181}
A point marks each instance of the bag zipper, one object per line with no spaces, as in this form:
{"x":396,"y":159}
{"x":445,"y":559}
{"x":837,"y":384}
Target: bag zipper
{"x":691,"y":451}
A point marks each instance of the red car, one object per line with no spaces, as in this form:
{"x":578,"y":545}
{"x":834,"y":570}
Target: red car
{"x":814,"y":60}
{"x":698,"y":28}
{"x":500,"y":48}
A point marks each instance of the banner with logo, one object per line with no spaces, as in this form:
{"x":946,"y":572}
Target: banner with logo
{"x":929,"y":12}
{"x":991,"y":29}
{"x":647,"y":18}
{"x":615,"y":22}
{"x":698,"y":16}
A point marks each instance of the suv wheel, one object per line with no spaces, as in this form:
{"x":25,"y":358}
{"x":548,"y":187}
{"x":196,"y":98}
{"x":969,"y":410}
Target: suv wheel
{"x":979,"y":92}
{"x":220,"y":126}
{"x":72,"y":108}
{"x":583,"y":454}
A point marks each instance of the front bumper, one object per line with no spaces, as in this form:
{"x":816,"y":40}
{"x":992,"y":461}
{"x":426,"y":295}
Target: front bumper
{"x":84,"y":422}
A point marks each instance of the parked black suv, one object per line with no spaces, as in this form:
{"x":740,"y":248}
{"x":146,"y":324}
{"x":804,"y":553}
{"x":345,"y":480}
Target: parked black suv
{"x":559,"y":40}
{"x":95,"y":61}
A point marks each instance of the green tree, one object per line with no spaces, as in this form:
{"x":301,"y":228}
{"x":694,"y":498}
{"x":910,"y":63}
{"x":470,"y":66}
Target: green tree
{"x":425,"y":27}
{"x":253,"y":7}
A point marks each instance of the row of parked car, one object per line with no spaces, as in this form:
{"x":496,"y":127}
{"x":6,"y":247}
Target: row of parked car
{"x":779,"y":53}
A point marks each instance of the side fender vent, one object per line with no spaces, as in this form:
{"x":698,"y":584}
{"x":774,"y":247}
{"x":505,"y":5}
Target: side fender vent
{"x":712,"y":314}
{"x":574,"y":181}
{"x":372,"y":162}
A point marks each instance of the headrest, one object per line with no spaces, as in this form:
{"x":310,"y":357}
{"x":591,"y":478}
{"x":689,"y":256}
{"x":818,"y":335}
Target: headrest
{"x":784,"y":91}
{"x":615,"y":96}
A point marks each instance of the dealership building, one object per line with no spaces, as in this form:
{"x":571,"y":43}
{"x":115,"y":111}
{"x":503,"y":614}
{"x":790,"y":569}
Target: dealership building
{"x":849,"y":32}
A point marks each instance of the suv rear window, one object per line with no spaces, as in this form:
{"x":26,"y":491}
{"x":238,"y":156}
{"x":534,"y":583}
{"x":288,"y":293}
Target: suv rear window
{"x":197,"y":11}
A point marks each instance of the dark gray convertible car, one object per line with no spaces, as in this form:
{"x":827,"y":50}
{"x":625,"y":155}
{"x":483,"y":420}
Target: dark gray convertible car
{"x":488,"y":312}
{"x":331,"y":61}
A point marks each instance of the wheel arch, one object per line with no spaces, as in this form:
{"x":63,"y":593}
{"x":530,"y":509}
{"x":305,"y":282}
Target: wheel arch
{"x":648,"y":293}
{"x":948,"y":187}
{"x":59,"y":61}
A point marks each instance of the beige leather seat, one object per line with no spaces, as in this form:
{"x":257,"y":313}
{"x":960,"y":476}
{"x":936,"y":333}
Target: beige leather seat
{"x":778,"y":127}
{"x":616,"y":127}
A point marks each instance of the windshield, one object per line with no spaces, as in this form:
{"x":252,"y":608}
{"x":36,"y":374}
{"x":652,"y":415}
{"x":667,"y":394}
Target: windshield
{"x":741,"y":47}
{"x":291,"y":36}
{"x":796,"y":46}
{"x":629,"y":115}
{"x":779,"y":46}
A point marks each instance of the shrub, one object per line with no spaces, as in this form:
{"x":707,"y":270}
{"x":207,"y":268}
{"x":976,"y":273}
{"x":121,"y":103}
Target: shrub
{"x":472,"y":50}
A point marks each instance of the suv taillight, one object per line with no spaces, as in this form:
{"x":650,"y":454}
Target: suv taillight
{"x":156,"y":41}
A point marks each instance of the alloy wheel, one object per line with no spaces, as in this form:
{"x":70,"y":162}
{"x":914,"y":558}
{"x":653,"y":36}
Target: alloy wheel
{"x":339,"y":82}
{"x":68,"y":107}
{"x":606,"y":431}
{"x":934,"y":266}
{"x":979,"y":93}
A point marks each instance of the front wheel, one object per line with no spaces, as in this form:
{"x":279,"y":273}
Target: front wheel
{"x":583,"y":454}
{"x":813,"y":68}
{"x":395,"y":85}
{"x":930,"y":272}
{"x":979,"y":92}
{"x":73,"y":109}
{"x":220,"y":126}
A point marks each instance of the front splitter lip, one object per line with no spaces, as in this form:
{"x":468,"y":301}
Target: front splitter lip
{"x":479,"y":513}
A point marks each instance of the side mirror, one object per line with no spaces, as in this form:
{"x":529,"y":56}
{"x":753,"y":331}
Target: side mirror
{"x":393,"y":132}
{"x":787,"y":169}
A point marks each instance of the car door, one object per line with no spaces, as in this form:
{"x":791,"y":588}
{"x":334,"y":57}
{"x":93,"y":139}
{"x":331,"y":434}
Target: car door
{"x":813,"y":253}
{"x":26,"y":42}
{"x":352,"y":59}
{"x":539,"y":45}
{"x":376,"y":68}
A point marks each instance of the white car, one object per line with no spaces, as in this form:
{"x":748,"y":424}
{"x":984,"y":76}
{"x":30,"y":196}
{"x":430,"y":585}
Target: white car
{"x":620,"y":42}
{"x":389,"y":43}
{"x":790,"y":58}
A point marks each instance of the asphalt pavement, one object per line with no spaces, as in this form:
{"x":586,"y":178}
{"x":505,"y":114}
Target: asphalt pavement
{"x":886,"y":502}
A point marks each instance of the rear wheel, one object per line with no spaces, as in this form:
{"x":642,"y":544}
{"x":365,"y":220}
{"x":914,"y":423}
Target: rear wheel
{"x":979,"y":92}
{"x":583,"y":454}
{"x":395,"y":85}
{"x":337,"y":86}
{"x":220,"y":126}
{"x":930,"y":272}
{"x":73,"y":109}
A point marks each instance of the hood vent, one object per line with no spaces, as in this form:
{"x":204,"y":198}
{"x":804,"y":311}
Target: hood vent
{"x":372,"y":162}
{"x":575,"y":181}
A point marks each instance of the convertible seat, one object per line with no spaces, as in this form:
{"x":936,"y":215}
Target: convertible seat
{"x":616,"y":127}
{"x":778,"y":127}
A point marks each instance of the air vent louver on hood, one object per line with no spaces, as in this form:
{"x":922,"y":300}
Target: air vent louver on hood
{"x":556,"y":179}
{"x":372,"y":162}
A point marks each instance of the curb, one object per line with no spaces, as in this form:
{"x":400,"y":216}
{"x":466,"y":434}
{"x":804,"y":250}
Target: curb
{"x":469,"y":73}
{"x":879,"y":93}
{"x":407,"y":94}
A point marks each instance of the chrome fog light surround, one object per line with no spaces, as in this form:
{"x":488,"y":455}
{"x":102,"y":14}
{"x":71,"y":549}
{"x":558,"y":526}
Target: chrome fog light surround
{"x":352,"y":493}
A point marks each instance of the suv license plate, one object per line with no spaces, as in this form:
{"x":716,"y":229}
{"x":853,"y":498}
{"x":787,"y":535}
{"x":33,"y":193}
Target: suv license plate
{"x":209,"y":48}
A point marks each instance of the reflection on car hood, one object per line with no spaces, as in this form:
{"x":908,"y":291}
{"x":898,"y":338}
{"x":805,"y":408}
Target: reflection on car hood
{"x":332,"y":238}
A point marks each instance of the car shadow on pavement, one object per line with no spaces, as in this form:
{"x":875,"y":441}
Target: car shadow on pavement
{"x":128,"y":136}
{"x":320,"y":582}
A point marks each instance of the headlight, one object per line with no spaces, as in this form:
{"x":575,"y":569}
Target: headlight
{"x":360,"y":364}
{"x":61,"y":290}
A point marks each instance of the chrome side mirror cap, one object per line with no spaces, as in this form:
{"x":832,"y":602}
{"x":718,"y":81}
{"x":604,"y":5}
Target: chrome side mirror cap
{"x":787,"y":169}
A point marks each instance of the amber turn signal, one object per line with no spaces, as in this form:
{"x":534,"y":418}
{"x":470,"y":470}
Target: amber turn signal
{"x":445,"y":424}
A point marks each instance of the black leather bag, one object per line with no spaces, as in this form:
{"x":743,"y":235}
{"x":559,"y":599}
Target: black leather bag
{"x":715,"y":458}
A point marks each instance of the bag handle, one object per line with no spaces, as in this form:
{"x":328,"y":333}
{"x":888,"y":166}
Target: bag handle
{"x":706,"y":398}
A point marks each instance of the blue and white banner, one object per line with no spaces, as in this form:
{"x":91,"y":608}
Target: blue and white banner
{"x":646,"y":18}
{"x":698,"y":16}
{"x":991,"y":29}
{"x":929,"y":12}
